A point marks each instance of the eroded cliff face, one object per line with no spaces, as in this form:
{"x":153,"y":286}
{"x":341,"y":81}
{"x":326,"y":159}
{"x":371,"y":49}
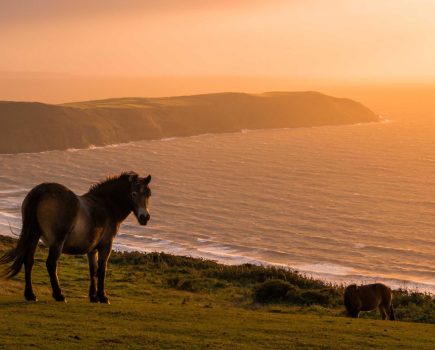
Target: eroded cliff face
{"x":36,"y":127}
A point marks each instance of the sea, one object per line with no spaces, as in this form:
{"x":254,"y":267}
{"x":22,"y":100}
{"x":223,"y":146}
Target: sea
{"x":347,"y":204}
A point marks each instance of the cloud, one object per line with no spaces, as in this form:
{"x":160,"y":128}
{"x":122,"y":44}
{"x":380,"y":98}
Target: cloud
{"x":34,"y":10}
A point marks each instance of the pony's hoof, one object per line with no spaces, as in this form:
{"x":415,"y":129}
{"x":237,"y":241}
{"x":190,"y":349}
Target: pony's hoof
{"x":104,"y":299}
{"x":93,"y":299}
{"x":31,"y":297}
{"x":60,"y":298}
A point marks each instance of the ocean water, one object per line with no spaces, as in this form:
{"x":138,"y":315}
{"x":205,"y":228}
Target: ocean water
{"x":344,"y":203}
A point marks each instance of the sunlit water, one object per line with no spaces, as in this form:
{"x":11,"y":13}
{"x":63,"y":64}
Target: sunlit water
{"x":345,"y":203}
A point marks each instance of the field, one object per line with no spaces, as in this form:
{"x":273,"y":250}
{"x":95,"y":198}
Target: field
{"x":160,"y":301}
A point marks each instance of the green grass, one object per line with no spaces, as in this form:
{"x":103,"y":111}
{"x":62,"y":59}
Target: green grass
{"x":160,"y":301}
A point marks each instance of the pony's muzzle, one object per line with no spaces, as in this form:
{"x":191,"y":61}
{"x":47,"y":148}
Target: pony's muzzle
{"x":143,"y":218}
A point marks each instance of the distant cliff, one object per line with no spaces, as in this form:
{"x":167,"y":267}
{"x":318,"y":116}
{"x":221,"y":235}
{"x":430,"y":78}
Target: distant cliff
{"x":35,"y":127}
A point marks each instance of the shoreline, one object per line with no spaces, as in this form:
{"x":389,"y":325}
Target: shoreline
{"x":335,"y":280}
{"x":30,"y":127}
{"x":92,"y":147}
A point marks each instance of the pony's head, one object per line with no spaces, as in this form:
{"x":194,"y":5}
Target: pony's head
{"x":140,"y":194}
{"x":351,"y":300}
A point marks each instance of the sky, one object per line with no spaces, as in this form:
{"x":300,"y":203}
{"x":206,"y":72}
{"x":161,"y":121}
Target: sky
{"x":58,"y":51}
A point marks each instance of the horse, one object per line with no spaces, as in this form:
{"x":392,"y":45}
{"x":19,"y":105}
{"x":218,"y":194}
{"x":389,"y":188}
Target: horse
{"x":77,"y":225}
{"x":367,"y":298}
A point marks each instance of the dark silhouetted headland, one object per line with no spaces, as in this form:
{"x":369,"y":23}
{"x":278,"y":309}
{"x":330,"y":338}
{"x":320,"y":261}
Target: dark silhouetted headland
{"x":36,"y":127}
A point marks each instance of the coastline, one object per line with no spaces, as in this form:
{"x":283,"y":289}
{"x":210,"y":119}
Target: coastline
{"x":30,"y":127}
{"x":91,"y":147}
{"x":315,"y":270}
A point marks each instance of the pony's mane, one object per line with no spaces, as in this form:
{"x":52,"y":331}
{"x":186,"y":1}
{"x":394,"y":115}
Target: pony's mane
{"x":109,"y":181}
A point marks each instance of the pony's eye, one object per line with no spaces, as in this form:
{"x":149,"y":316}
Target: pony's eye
{"x":134,"y":194}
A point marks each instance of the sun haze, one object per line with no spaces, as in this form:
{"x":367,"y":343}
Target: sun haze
{"x":63,"y":51}
{"x":291,"y":147}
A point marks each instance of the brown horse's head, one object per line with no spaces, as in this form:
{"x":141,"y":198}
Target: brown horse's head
{"x":140,"y":194}
{"x":351,"y":300}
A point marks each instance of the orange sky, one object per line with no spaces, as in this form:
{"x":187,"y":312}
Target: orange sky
{"x":62,"y":51}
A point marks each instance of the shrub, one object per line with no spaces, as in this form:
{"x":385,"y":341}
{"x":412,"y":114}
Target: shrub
{"x":316,"y":297}
{"x":279,"y":291}
{"x":413,"y":306}
{"x":273,"y":291}
{"x":251,"y":274}
{"x":402,"y":297}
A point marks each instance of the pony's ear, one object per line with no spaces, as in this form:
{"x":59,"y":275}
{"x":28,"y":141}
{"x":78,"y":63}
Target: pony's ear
{"x":147,"y":180}
{"x":132,"y":177}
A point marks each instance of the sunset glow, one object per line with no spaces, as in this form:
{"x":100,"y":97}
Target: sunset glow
{"x":58,"y":52}
{"x":227,"y":174}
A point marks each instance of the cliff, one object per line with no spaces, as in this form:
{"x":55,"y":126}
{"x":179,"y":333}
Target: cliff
{"x":35,"y":127}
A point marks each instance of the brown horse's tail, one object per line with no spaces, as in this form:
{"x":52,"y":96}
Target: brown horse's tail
{"x":29,"y":237}
{"x":391,"y":313}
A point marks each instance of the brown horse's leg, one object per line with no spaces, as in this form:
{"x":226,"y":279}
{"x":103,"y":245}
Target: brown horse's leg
{"x":383,"y":312}
{"x":92,"y":259}
{"x":28,"y":290}
{"x":391,"y":315}
{"x":51,"y":263}
{"x":103,"y":257}
{"x":28,"y":265}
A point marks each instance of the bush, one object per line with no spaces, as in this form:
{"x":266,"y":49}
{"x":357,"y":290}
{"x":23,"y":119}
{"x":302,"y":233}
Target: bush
{"x":316,"y":297}
{"x":403,"y":297}
{"x":412,"y":306}
{"x":251,"y":274}
{"x":279,"y":291}
{"x":273,"y":291}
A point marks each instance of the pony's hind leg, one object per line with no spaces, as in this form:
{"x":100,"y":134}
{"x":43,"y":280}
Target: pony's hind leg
{"x":383,"y":312}
{"x":28,"y":290}
{"x":92,"y":259}
{"x":53,"y":257}
{"x":391,"y":315}
{"x":28,"y":265}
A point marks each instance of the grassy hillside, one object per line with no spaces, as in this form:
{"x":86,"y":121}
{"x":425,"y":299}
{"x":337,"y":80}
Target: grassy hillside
{"x":161,"y":301}
{"x":34,"y":127}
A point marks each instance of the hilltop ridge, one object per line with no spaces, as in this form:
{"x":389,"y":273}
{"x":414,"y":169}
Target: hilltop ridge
{"x":35,"y":127}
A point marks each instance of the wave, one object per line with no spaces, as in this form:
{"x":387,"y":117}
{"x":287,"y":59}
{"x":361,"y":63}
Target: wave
{"x":385,"y":120}
{"x":325,"y":269}
{"x":9,"y":215}
{"x":329,"y":272}
{"x":359,"y":245}
{"x":196,"y":136}
{"x":94,"y":147}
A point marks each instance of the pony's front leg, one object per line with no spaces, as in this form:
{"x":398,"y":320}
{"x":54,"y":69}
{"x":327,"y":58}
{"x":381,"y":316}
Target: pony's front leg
{"x":103,"y":257}
{"x":92,"y":259}
{"x":51,"y":263}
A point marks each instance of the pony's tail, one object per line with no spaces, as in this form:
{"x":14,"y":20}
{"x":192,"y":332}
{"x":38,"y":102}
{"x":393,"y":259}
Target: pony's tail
{"x":28,"y":240}
{"x":391,"y":313}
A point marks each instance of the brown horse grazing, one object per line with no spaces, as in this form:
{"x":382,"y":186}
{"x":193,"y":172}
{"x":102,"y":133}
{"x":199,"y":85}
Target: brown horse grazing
{"x":367,"y":298}
{"x":72,"y":224}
